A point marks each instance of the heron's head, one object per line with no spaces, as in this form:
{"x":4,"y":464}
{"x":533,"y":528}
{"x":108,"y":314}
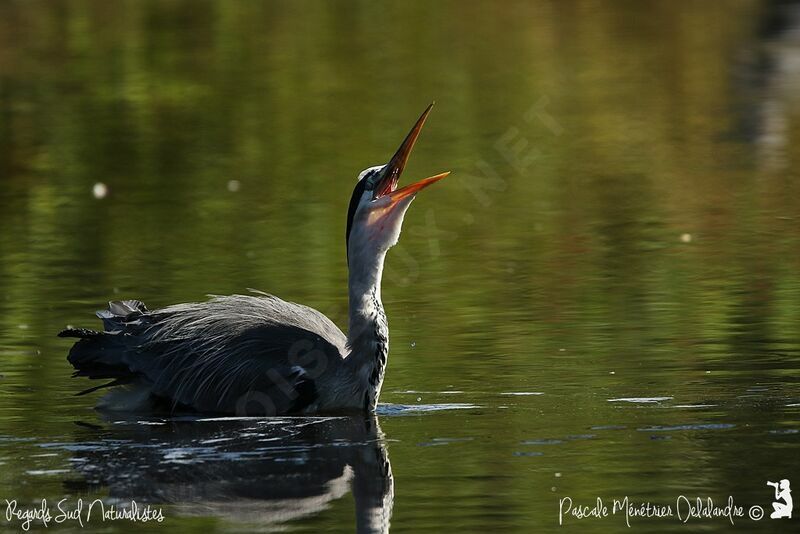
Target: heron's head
{"x":377,"y":206}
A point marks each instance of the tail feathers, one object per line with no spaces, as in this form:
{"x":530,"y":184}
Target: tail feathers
{"x":123,"y":308}
{"x":104,"y":355}
{"x":91,"y":366}
{"x":122,"y":313}
{"x":117,"y":382}
{"x":79,"y":333}
{"x":114,"y":318}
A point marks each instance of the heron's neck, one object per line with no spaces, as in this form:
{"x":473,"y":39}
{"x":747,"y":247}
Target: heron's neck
{"x":368,"y":334}
{"x":364,"y":286}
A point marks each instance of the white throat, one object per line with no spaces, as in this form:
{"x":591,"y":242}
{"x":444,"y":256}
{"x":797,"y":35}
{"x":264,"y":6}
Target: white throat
{"x":364,"y":286}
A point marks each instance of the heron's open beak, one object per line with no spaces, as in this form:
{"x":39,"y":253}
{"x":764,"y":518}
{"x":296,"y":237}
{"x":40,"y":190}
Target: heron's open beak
{"x":387,"y":186}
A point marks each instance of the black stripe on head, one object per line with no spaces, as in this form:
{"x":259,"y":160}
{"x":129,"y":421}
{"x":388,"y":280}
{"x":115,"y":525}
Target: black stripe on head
{"x":358,"y":192}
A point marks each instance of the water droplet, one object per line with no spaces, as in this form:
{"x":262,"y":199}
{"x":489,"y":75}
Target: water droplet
{"x":100,"y":190}
{"x":234,"y":186}
{"x":686,"y":238}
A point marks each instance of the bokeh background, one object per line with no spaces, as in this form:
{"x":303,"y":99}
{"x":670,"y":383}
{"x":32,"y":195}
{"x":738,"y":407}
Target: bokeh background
{"x":622,"y":222}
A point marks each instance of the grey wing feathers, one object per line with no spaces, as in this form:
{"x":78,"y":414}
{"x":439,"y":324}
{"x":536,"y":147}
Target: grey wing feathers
{"x":121,"y":312}
{"x":236,"y":354}
{"x":102,"y":355}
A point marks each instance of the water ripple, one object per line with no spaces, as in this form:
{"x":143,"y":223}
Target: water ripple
{"x":701,"y":426}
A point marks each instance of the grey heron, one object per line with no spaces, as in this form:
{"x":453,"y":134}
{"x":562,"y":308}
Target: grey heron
{"x":257,"y":354}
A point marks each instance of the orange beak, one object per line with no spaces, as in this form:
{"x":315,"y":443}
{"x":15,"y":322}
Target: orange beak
{"x":387,"y":185}
{"x":412,"y":189}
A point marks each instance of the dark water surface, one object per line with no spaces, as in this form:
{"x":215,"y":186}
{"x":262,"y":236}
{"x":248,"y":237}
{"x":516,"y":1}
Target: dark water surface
{"x":602,"y":300}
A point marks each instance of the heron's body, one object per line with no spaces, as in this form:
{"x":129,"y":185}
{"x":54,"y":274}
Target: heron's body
{"x":243,"y":354}
{"x":257,"y":354}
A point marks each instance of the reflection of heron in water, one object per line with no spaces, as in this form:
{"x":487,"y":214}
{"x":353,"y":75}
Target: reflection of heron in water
{"x":263,"y":472}
{"x":253,"y":355}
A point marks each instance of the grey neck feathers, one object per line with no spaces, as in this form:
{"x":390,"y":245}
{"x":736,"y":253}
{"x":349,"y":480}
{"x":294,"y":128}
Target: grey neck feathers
{"x":368,"y":334}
